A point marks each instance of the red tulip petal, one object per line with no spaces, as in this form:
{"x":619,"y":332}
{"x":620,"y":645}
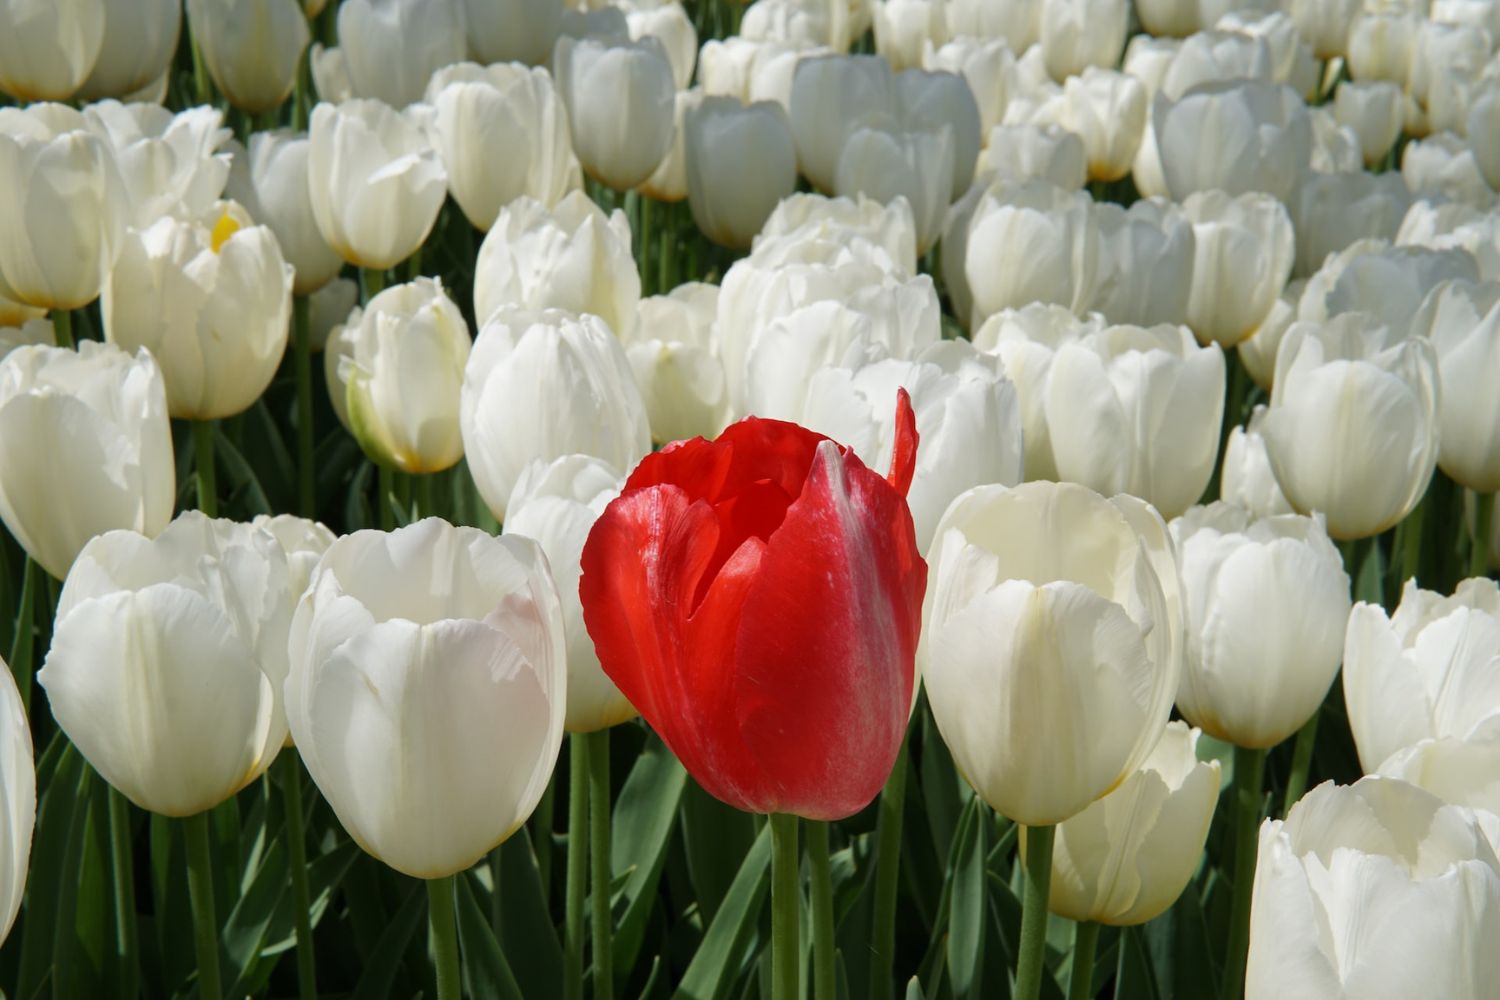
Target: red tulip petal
{"x":826,"y":643}
{"x":904,"y":450}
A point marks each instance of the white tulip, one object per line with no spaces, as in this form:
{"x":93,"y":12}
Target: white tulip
{"x":1246,"y":479}
{"x":1452,"y":224}
{"x":1324,"y":24}
{"x":140,"y":39}
{"x":17,"y":800}
{"x":675,"y":356}
{"x":540,"y":385}
{"x":1016,"y":21}
{"x":1245,"y":247}
{"x":1292,"y":60}
{"x":303,"y":541}
{"x":904,"y":27}
{"x":751,"y":70}
{"x":1462,"y":772}
{"x":1147,"y":263}
{"x":888,"y":225}
{"x":31,"y":331}
{"x":986,"y":65}
{"x":669,"y":181}
{"x":1258,"y":351}
{"x":1108,"y":111}
{"x":831,"y":96}
{"x":270,"y":180}
{"x":170,"y":164}
{"x":1386,"y":283}
{"x":251,"y":50}
{"x":1483,"y":131}
{"x":619,"y":96}
{"x":512,"y":30}
{"x":436,"y":653}
{"x":1076,"y":34}
{"x":1148,"y":59}
{"x":168,"y":659}
{"x":1380,"y":44}
{"x":392,"y":47}
{"x":1049,"y":153}
{"x":1032,"y":242}
{"x":668,"y":23}
{"x":212,"y":300}
{"x":48,"y":48}
{"x":1462,"y":319}
{"x":1050,"y":613}
{"x":1172,"y":18}
{"x":1237,"y":137}
{"x":915,"y":165}
{"x":1373,"y":111}
{"x":740,"y":161}
{"x":329,"y":307}
{"x":1216,"y":57}
{"x":1444,"y":165}
{"x":376,"y":183}
{"x":1332,"y":211}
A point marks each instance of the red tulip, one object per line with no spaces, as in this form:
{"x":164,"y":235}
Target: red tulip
{"x":758,"y":599}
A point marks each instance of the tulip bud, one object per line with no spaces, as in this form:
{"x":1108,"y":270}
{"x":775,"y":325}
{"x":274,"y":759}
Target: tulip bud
{"x":572,"y":257}
{"x":619,"y":96}
{"x":270,"y":180}
{"x":230,"y":295}
{"x":512,"y":30}
{"x":1246,"y":479}
{"x":1373,"y":111}
{"x":670,"y":25}
{"x":555,"y":505}
{"x":831,"y":96}
{"x":436,"y":653}
{"x":1147,"y":263}
{"x":1076,"y":34}
{"x":1266,"y":604}
{"x":1333,"y":211}
{"x":188,"y":709}
{"x":251,"y":50}
{"x":888,"y":225}
{"x":930,"y":100}
{"x":376,"y":184}
{"x":540,"y":385}
{"x":85,"y":447}
{"x":1016,"y":21}
{"x":502,"y":132}
{"x":741,"y":162}
{"x":48,"y":49}
{"x":1108,"y":111}
{"x":1134,"y":410}
{"x":1050,"y":590}
{"x":1245,"y":248}
{"x":1374,"y":890}
{"x":915,"y":165}
{"x":170,"y":164}
{"x":392,"y":47}
{"x":1216,"y":57}
{"x":1032,"y":242}
{"x":399,"y":366}
{"x":1051,"y":153}
{"x":675,"y":356}
{"x":1237,"y":137}
{"x":139,"y":41}
{"x":1353,"y":426}
{"x":18,"y":797}
{"x":1126,"y":858}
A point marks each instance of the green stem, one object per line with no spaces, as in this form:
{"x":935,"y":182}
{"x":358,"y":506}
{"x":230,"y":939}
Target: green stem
{"x":599,"y":868}
{"x":414,"y":265}
{"x":443,"y":934}
{"x":1296,"y":782}
{"x":124,"y":884}
{"x":1031,"y":963}
{"x":307,"y":974}
{"x":820,"y":875}
{"x":301,"y":90}
{"x":20,"y":643}
{"x":306,"y":475}
{"x":786,"y":907}
{"x":203,"y":90}
{"x":374,"y":281}
{"x":385,"y":481}
{"x":497,"y":912}
{"x":62,"y":328}
{"x":1085,"y":945}
{"x":1249,"y":774}
{"x":887,"y":878}
{"x":578,"y":806}
{"x":201,"y":893}
{"x":643,"y":242}
{"x":422,"y":487}
{"x":203,"y":466}
{"x":1411,"y":542}
{"x":666,"y":276}
{"x":1484,"y":514}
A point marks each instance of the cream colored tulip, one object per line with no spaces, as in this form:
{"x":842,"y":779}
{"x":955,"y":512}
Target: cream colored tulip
{"x":1049,"y":153}
{"x":48,"y":48}
{"x":168,"y":659}
{"x":668,"y":23}
{"x":1126,"y":858}
{"x":376,"y":183}
{"x":1032,"y":242}
{"x":619,"y":96}
{"x":1245,"y":249}
{"x":1076,"y":34}
{"x":251,"y":50}
{"x":17,"y":800}
{"x":140,"y":39}
{"x":1246,"y":479}
{"x":271,"y":182}
{"x":437,"y":653}
{"x":888,"y":225}
{"x":212,"y":300}
{"x":1051,"y":613}
{"x":674,"y":354}
{"x":392,"y":47}
{"x":572,"y":257}
{"x":170,"y":164}
{"x":1108,"y":111}
{"x":1172,"y":18}
{"x":1462,"y":319}
{"x":512,"y":30}
{"x":741,"y":161}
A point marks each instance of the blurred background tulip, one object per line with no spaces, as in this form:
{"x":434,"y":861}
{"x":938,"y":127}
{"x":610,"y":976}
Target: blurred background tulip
{"x":619,"y":96}
{"x":512,"y":30}
{"x":270,"y":180}
{"x":1147,"y":263}
{"x":251,"y":50}
{"x":392,"y":47}
{"x":741,"y":162}
{"x":140,"y":38}
{"x":1246,"y":479}
{"x":48,"y":47}
{"x":831,"y":96}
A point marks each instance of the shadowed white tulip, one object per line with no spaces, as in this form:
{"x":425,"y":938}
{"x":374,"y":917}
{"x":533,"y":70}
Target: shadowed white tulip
{"x":140,"y":39}
{"x":669,"y":24}
{"x":1462,"y":319}
{"x":502,"y":132}
{"x":1032,"y":242}
{"x":540,"y":385}
{"x":31,"y":331}
{"x":1324,"y":24}
{"x":1033,"y":151}
{"x":17,"y":800}
{"x":927,"y":101}
{"x":1258,"y":351}
{"x":1246,"y":479}
{"x":512,"y":30}
{"x":1077,"y":34}
{"x":741,"y":161}
{"x":1051,"y":643}
{"x":555,"y":504}
{"x":1386,"y":283}
{"x":435,"y":653}
{"x":903,"y":28}
{"x":1353,"y":430}
{"x":1483,"y":131}
{"x":1147,"y":263}
{"x":1235,"y":137}
{"x":831,"y":96}
{"x":675,"y":356}
{"x":168,"y":659}
{"x":1425,"y":672}
{"x":888,"y":225}
{"x":271,"y":182}
{"x":392,"y":47}
{"x":1136,"y":410}
{"x":986,"y":65}
{"x":1107,"y":110}
{"x":251,"y":50}
{"x":85,"y":448}
{"x":48,"y":48}
{"x":570,"y":257}
{"x":376,"y":183}
{"x":1267,"y":600}
{"x":1332,"y":211}
{"x":212,"y":300}
{"x":619,"y":96}
{"x":328,"y":307}
{"x":1126,"y":858}
{"x":399,"y":370}
{"x":1245,"y":247}
{"x":1377,"y":890}
{"x":1445,"y":166}
{"x":669,"y":181}
{"x":1373,"y":111}
{"x":1215,"y":57}
{"x":912,"y":164}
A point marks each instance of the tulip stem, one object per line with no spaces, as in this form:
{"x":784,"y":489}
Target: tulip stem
{"x":666,"y":258}
{"x":887,"y":876}
{"x":643,"y":242}
{"x":203,"y":90}
{"x":1411,"y":543}
{"x":1484,"y":513}
{"x":296,"y":836}
{"x":385,"y":481}
{"x":1249,"y":774}
{"x":1085,"y":945}
{"x":374,"y":280}
{"x":786,"y":907}
{"x":20,"y":642}
{"x":1296,"y":782}
{"x":123,"y":859}
{"x":578,"y":804}
{"x":200,"y":874}
{"x":1031,"y":962}
{"x":203,"y":467}
{"x":62,"y":328}
{"x":599,"y":867}
{"x":441,"y":923}
{"x":820,"y":875}
{"x":306,"y":498}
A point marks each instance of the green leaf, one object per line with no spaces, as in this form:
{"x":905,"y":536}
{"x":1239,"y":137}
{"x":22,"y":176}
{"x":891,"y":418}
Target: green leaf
{"x":914,"y":989}
{"x":526,"y":931}
{"x":484,"y":965}
{"x":245,"y":490}
{"x":716,"y":965}
{"x":715,"y":838}
{"x":642,"y":831}
{"x":1177,"y":945}
{"x":68,"y":957}
{"x":1133,"y":980}
{"x":49,"y":845}
{"x":966,"y":902}
{"x":379,"y":979}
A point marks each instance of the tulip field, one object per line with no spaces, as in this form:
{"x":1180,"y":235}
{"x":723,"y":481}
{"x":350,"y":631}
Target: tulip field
{"x":787,"y":500}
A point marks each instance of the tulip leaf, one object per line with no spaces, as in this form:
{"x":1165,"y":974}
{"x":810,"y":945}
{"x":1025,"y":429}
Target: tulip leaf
{"x":246,"y":494}
{"x":484,"y":965}
{"x":914,"y":989}
{"x":1177,"y":944}
{"x":526,"y":931}
{"x":966,"y":902}
{"x":269,"y":437}
{"x":1133,"y":980}
{"x":379,"y":978}
{"x":715,"y":837}
{"x":643,"y":822}
{"x":75,"y":951}
{"x":49,"y":844}
{"x":714,"y":968}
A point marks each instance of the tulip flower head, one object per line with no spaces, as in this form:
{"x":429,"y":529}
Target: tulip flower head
{"x":758,"y":598}
{"x":17,"y":799}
